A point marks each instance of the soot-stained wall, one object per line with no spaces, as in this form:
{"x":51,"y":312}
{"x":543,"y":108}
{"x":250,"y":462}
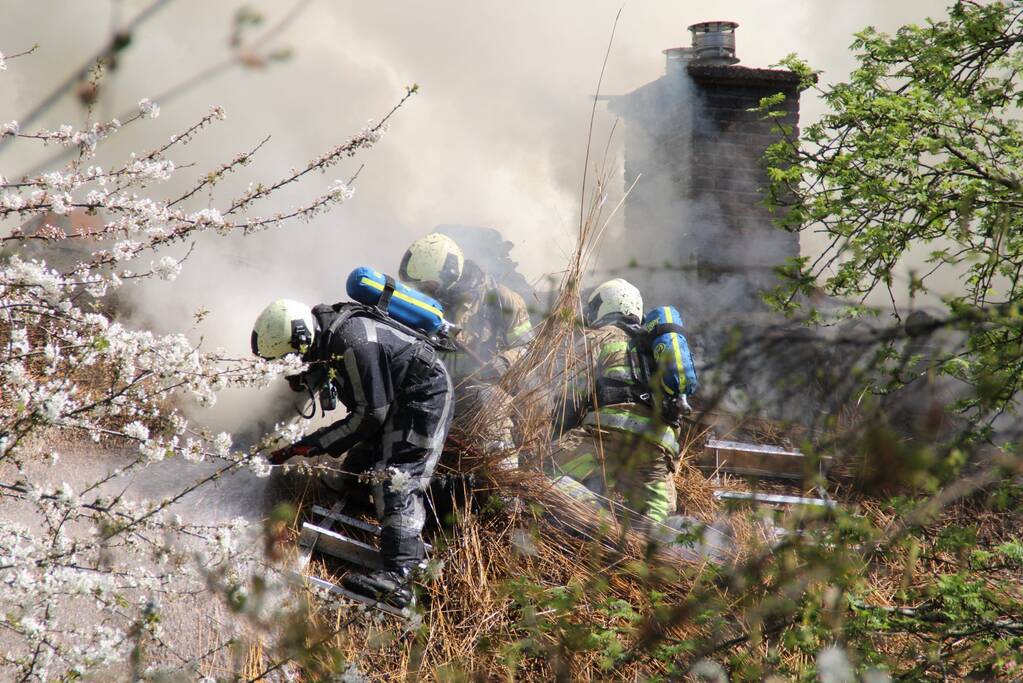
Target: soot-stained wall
{"x":695,"y":220}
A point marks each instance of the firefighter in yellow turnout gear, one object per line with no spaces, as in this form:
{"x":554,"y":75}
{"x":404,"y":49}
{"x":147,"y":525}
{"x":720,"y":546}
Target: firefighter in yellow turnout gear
{"x":494,"y":320}
{"x":614,"y":442}
{"x":495,"y":329}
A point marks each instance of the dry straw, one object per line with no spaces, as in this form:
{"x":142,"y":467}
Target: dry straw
{"x":519,"y":533}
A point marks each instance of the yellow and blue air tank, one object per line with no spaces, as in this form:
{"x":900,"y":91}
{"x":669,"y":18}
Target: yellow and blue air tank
{"x":671,"y":350}
{"x":404,"y":304}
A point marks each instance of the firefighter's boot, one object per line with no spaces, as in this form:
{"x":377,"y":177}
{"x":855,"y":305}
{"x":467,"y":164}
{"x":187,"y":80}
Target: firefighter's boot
{"x":392,"y":587}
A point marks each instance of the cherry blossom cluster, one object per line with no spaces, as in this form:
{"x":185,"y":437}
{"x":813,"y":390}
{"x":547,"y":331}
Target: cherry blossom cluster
{"x":87,"y":572}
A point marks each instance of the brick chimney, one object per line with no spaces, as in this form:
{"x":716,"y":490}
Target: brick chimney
{"x":696,"y":214}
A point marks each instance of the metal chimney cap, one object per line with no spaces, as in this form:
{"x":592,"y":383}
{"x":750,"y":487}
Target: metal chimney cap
{"x":713,"y":27}
{"x":678,"y":52}
{"x":677,"y":58}
{"x":714,"y":42}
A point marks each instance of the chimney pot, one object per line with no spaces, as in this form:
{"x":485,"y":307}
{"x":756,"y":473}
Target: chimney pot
{"x":714,"y":42}
{"x":676,"y":59}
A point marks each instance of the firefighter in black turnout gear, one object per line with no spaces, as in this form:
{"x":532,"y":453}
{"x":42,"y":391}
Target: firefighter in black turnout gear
{"x":400,"y":403}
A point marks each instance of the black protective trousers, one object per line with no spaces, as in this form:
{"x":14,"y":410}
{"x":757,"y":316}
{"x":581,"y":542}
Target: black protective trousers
{"x":401,"y":464}
{"x":400,"y":404}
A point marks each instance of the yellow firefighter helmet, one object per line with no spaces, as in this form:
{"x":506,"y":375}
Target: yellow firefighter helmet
{"x":284,"y":327}
{"x":435,"y":260}
{"x":614,"y":296}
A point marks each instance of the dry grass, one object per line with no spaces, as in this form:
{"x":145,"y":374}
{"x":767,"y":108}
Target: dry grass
{"x":475,"y":614}
{"x":477,"y":626}
{"x":498,"y":567}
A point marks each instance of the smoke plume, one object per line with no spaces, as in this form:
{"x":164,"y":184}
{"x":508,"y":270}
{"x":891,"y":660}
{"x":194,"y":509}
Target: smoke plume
{"x":496,"y":136}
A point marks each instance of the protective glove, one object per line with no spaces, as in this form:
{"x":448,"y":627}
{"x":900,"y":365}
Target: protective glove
{"x":279,"y":456}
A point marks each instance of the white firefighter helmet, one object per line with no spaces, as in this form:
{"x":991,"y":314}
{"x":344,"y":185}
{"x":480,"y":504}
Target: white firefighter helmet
{"x":284,"y":327}
{"x":614,"y":296}
{"x":434,"y":259}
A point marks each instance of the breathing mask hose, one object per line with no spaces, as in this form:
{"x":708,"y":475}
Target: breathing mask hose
{"x":312,"y":405}
{"x":299,"y":383}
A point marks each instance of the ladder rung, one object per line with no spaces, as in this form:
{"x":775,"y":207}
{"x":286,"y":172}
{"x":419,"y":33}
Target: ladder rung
{"x":346,"y":520}
{"x":306,"y":542}
{"x":338,"y":590}
{"x":352,"y":522}
{"x":773,"y":498}
{"x":340,"y":546}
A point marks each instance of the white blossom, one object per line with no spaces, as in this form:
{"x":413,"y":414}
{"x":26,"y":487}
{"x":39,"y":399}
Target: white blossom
{"x":153,"y":450}
{"x":59,"y":204}
{"x":207,"y":217}
{"x":58,"y":180}
{"x":136,"y":430}
{"x":290,"y":432}
{"x":341,"y":190}
{"x":193,"y":450}
{"x":260,"y":467}
{"x":400,"y":480}
{"x":19,"y":341}
{"x":66,"y":494}
{"x":167,"y":268}
{"x":96,"y":287}
{"x":11,"y":200}
{"x":372,"y":132}
{"x":833,"y":666}
{"x":148,"y":108}
{"x":55,"y":405}
{"x":222,"y":444}
{"x":124,"y":250}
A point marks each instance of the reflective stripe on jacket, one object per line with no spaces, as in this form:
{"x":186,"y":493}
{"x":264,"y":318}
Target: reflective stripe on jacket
{"x":625,"y":418}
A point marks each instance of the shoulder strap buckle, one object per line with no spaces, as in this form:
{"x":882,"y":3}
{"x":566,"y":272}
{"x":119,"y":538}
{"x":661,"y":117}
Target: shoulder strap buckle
{"x":385,"y":296}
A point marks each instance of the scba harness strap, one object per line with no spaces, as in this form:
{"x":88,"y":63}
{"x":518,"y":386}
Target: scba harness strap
{"x":426,"y":350}
{"x":316,"y":380}
{"x":664,"y":328}
{"x":385,"y":296}
{"x":423,"y":352}
{"x":632,"y":382}
{"x":350,"y":309}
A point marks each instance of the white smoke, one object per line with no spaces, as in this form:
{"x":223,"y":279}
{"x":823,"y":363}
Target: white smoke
{"x":496,"y":137}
